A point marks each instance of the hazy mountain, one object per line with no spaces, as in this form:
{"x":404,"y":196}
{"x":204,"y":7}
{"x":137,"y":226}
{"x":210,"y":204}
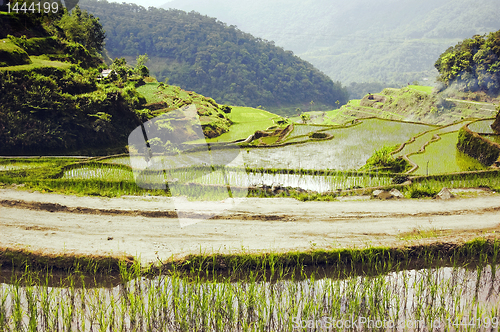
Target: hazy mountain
{"x":359,"y":40}
{"x":201,"y":54}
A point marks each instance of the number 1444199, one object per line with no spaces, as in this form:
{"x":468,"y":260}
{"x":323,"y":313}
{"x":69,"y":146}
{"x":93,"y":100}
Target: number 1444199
{"x":33,"y":7}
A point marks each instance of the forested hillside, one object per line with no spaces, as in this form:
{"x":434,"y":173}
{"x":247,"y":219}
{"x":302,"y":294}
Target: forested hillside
{"x":202,"y":54}
{"x":53,"y":99}
{"x":389,"y":41}
{"x":472,"y":65}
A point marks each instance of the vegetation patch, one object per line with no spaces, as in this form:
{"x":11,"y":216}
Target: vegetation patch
{"x":261,"y":291}
{"x":23,"y":258}
{"x":12,"y":55}
{"x":383,"y":159}
{"x":478,"y":147}
{"x":442,"y":156}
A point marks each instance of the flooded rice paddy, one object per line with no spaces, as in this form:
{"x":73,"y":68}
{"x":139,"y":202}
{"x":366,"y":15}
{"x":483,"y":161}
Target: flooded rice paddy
{"x":349,"y":149}
{"x":433,"y":299}
{"x":235,"y":177}
{"x":444,"y":157}
{"x":482,"y":126}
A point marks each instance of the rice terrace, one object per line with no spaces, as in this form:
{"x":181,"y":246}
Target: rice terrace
{"x":131,"y":204}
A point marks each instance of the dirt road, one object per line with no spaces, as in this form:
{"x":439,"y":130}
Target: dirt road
{"x":148,"y":227}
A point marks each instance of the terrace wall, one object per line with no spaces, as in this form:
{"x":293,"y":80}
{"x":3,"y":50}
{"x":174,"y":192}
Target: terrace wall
{"x":496,"y":125}
{"x":478,"y":147}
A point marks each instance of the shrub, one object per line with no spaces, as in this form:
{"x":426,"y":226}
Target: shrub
{"x":383,"y":158}
{"x":473,"y":145}
{"x":422,"y":192}
{"x":226,"y":109}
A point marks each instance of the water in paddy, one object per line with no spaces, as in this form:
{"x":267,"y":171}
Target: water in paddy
{"x":419,"y":141}
{"x":483,"y":126}
{"x":436,"y":299}
{"x":13,"y":167}
{"x":349,"y":149}
{"x":444,"y":157}
{"x":99,"y":173}
{"x":495,"y":139}
{"x":318,"y":183}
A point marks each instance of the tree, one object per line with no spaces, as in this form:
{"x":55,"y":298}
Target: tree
{"x":305,"y":117}
{"x":119,"y":66}
{"x":140,"y":68}
{"x":81,"y":27}
{"x":473,"y":64}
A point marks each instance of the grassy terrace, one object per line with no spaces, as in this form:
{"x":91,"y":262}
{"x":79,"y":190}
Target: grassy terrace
{"x":150,"y":92}
{"x":246,"y":121}
{"x":276,"y":292}
{"x":38,"y":62}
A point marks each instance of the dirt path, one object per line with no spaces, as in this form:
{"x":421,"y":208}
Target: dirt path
{"x":147,"y":227}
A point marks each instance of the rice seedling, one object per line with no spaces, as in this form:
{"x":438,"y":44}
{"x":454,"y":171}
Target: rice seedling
{"x":429,"y":289}
{"x":99,"y":173}
{"x":432,"y":185}
{"x":444,"y":157}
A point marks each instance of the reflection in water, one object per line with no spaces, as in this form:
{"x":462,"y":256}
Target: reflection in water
{"x":423,"y":297}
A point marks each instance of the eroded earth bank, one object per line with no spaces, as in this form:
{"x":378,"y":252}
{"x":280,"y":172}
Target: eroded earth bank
{"x":148,"y":227}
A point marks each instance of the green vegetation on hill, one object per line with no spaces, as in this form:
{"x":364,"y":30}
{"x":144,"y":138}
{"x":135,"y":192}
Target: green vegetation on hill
{"x":202,"y":54}
{"x":53,"y":100}
{"x":416,"y":103}
{"x":12,"y":55}
{"x":472,"y":65}
{"x":163,"y":98}
{"x":362,"y":40}
{"x":246,"y":121}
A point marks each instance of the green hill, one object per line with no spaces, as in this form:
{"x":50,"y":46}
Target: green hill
{"x":361,"y":40}
{"x":53,"y":99}
{"x":202,"y":54}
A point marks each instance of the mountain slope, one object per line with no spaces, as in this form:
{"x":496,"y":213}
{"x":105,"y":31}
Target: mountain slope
{"x":53,"y":99}
{"x":199,"y":53}
{"x":360,"y":40}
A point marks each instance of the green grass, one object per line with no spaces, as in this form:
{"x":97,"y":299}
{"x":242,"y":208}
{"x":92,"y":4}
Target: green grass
{"x":246,"y":121}
{"x":7,"y":45}
{"x":426,"y":89}
{"x":11,"y":54}
{"x":429,"y":187}
{"x":354,"y":102}
{"x":150,"y":92}
{"x":248,"y":114}
{"x":443,"y":157}
{"x":38,"y":62}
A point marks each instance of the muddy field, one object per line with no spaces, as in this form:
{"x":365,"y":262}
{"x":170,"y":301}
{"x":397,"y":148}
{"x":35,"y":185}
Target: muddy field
{"x":158,"y":228}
